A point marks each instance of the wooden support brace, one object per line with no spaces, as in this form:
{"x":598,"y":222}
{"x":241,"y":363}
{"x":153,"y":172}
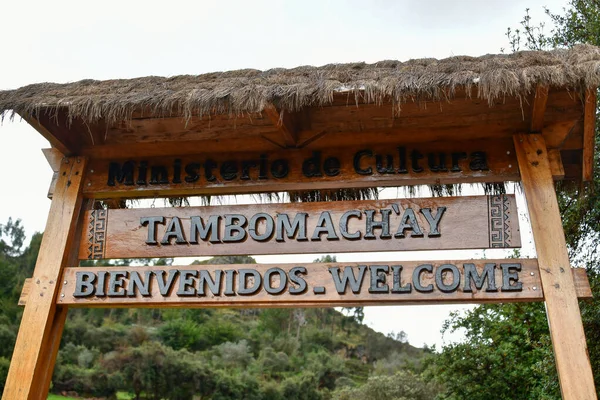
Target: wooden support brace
{"x":562,"y":308}
{"x":54,"y":158}
{"x":283,"y":121}
{"x":38,"y":126}
{"x":556,"y":164}
{"x":589,"y":135}
{"x":35,"y":348}
{"x":539,"y":108}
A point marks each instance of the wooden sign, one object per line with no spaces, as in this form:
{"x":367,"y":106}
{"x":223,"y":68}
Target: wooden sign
{"x":300,"y":169}
{"x":474,"y":222}
{"x":280,"y":285}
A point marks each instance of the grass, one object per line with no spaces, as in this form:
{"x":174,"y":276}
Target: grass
{"x":120,"y":396}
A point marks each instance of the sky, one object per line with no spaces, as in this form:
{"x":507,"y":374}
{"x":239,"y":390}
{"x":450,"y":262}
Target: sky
{"x":66,"y":41}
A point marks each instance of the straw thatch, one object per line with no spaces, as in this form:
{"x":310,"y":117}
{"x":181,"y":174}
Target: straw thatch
{"x":243,"y":91}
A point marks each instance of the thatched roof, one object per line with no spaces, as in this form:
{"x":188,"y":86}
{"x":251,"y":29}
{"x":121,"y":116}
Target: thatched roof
{"x":243,"y":91}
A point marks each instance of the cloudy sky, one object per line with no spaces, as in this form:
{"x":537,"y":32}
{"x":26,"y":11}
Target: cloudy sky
{"x":65,"y":41}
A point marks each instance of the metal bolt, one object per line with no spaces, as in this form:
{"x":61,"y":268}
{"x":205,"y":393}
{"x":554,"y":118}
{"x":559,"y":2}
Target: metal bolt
{"x":62,"y":295}
{"x":509,"y":165}
{"x":92,"y":171}
{"x":535,"y":288}
{"x":531,"y":273}
{"x":66,"y":281}
{"x":508,"y":152}
{"x":89,"y":183}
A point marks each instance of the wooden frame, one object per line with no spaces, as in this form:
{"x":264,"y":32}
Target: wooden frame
{"x":297,"y":137}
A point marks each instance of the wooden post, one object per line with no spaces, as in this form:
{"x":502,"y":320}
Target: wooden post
{"x":35,"y":349}
{"x":562,"y":308}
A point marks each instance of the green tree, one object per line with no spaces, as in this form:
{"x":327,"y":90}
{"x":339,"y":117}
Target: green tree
{"x":400,"y":386}
{"x":506,"y":355}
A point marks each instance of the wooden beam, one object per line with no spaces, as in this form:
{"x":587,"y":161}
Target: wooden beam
{"x":562,"y":308}
{"x":43,"y":130}
{"x":445,"y":282}
{"x":54,"y":158}
{"x":589,"y":134}
{"x":285,"y":123}
{"x":50,"y":351}
{"x":582,"y":284}
{"x":539,"y":108}
{"x":338,"y":167}
{"x":555,"y":135}
{"x":556,"y":164}
{"x":34,"y":346}
{"x":463,"y":222}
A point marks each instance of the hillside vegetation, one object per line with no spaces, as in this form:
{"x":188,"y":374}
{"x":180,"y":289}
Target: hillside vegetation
{"x":218,"y":354}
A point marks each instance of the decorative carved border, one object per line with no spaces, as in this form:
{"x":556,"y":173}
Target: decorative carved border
{"x":499,"y":221}
{"x":97,"y":234}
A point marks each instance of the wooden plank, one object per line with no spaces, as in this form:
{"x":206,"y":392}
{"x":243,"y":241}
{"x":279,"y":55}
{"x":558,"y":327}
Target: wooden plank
{"x":284,"y":123}
{"x":54,"y":158}
{"x":50,"y":351}
{"x":589,"y":135}
{"x":303,"y":169}
{"x":277,"y":285}
{"x":582,"y":284}
{"x":25,"y":291}
{"x":57,"y":143}
{"x":474,"y":222}
{"x":557,"y":134}
{"x":564,"y":318}
{"x":52,"y":186}
{"x":178,"y":129}
{"x":539,"y":108}
{"x":28,"y":373}
{"x":556,"y":164}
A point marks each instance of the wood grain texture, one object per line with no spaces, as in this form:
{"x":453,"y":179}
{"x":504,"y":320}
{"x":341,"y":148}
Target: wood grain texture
{"x":473,"y":222}
{"x":49,"y":353}
{"x":564,"y":318}
{"x":589,"y":135}
{"x":556,"y":164}
{"x":539,"y":108}
{"x":501,"y":166}
{"x":284,"y":123}
{"x":54,"y":158}
{"x":582,"y":284}
{"x":381,"y":283}
{"x":29,"y":373}
{"x":55,"y":140}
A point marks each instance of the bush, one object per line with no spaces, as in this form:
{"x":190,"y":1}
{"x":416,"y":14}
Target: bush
{"x":160,"y":370}
{"x":180,"y":334}
{"x":8,"y":336}
{"x":233,"y":354}
{"x":4,"y":364}
{"x":235,"y":386}
{"x":84,"y":381}
{"x":401,"y":386}
{"x":301,"y":387}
